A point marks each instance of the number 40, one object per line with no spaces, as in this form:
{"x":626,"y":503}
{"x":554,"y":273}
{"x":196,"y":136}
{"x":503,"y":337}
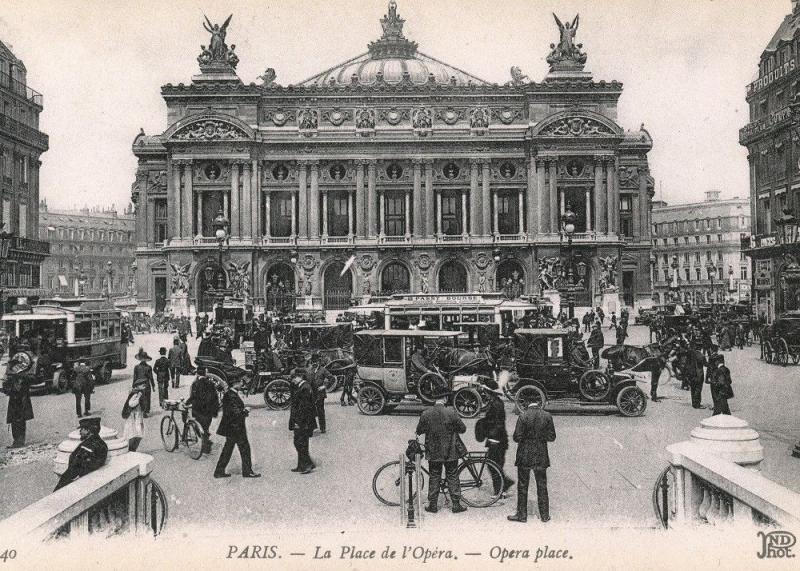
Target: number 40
{"x":8,"y":554}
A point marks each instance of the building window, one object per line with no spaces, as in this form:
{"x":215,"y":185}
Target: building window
{"x":280,"y":214}
{"x":708,"y":238}
{"x":697,"y":257}
{"x":719,"y":256}
{"x":708,"y":223}
{"x":451,"y":213}
{"x":697,"y":273}
{"x":697,"y":224}
{"x":395,"y":215}
{"x":686,"y":240}
{"x":744,"y":272}
{"x":338,"y":216}
{"x":675,"y":241}
{"x":507,"y":212}
{"x":697,"y":239}
{"x":666,"y":259}
{"x":160,"y":229}
{"x":719,"y":237}
{"x":686,"y":258}
{"x":719,"y":223}
{"x":688,"y":274}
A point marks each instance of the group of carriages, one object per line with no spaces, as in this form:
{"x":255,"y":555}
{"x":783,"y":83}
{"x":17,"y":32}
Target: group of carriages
{"x":780,"y":341}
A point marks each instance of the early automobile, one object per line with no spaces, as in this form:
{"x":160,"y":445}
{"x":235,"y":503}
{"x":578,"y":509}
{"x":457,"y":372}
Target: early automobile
{"x":550,"y":366}
{"x":386,"y":378}
{"x":48,"y":339}
{"x":235,"y":314}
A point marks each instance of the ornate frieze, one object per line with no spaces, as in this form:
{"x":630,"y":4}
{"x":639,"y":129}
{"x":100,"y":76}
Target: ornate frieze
{"x":336,"y":116}
{"x":209,"y":130}
{"x":422,"y":121}
{"x":394,"y":171}
{"x":279,"y":172}
{"x":479,"y":120}
{"x":451,"y":115}
{"x":336,"y":172}
{"x":629,"y":176}
{"x":576,"y":127}
{"x":451,"y":171}
{"x":394,"y":116}
{"x":506,"y":115}
{"x":211,"y":172}
{"x":308,"y":121}
{"x":510,"y":171}
{"x":280,"y":117}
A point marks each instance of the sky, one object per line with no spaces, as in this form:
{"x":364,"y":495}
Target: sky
{"x":100,"y":65}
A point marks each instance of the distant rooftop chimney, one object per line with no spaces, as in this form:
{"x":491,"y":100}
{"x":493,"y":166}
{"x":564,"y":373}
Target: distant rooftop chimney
{"x":712,"y":195}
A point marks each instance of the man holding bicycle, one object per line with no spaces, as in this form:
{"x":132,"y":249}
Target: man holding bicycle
{"x":441,"y":426}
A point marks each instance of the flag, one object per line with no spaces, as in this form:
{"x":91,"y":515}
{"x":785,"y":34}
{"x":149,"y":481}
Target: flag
{"x":347,"y":265}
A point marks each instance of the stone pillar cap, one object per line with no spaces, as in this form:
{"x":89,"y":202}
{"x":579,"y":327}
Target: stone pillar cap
{"x":724,"y":427}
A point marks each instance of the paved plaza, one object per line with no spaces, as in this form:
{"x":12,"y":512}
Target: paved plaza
{"x":602,"y":460}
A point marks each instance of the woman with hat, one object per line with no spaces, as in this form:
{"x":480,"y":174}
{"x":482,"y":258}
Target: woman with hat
{"x":134,"y":416}
{"x":144,"y":372}
{"x":719,"y":377}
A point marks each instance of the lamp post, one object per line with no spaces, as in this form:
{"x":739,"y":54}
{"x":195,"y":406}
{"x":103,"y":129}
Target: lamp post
{"x":711,"y":270}
{"x":220,"y":225}
{"x":132,"y":279}
{"x":5,"y":247}
{"x":82,"y":282}
{"x":568,"y":225}
{"x":673,"y":286}
{"x":109,"y":276}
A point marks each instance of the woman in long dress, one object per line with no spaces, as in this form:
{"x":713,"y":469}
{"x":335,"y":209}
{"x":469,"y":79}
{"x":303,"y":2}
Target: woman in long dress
{"x":133,"y":414}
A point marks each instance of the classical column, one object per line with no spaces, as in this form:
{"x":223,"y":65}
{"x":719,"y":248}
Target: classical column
{"x":349,"y":213}
{"x":562,"y":203}
{"x":463,"y":213}
{"x":475,"y":199}
{"x":588,"y":210}
{"x":486,"y":198}
{"x":173,"y":198}
{"x":407,"y":224}
{"x":144,"y":222}
{"x":267,"y":198}
{"x":533,"y":197}
{"x":294,"y":211}
{"x":324,"y":213}
{"x":600,"y":217}
{"x":553,"y":195}
{"x":236,"y":229}
{"x":187,"y":198}
{"x":246,"y":201}
{"x":381,"y":212}
{"x":255,"y":199}
{"x":495,"y":214}
{"x":302,"y":203}
{"x":542,"y":198}
{"x":430,"y":223}
{"x":313,"y":200}
{"x":419,"y":206}
{"x":225,"y":205}
{"x":636,"y":216}
{"x":372,"y":200}
{"x":644,"y":207}
{"x":199,"y":213}
{"x":438,"y":212}
{"x":521,"y":211}
{"x":361,"y":219}
{"x":150,"y":229}
{"x":613,"y":204}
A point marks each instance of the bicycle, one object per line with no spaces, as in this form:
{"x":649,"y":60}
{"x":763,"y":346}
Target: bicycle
{"x":191,"y":435}
{"x":475,"y":472}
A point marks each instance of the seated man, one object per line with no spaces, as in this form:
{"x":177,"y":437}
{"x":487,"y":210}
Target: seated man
{"x":90,"y":454}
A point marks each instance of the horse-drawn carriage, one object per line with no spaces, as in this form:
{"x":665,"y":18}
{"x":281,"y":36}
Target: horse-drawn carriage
{"x":780,"y":342}
{"x":386,"y":377}
{"x":550,"y":366}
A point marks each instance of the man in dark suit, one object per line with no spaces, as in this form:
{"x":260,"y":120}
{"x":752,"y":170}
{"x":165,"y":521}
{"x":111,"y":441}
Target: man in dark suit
{"x":595,"y":343}
{"x":693,"y":372}
{"x":719,"y":377}
{"x":161,"y":369}
{"x":496,"y":435}
{"x":90,"y":454}
{"x":533,"y":431}
{"x":302,"y":419}
{"x":233,"y":428}
{"x":319,"y":375}
{"x":82,"y":386}
{"x":441,"y":426}
{"x":205,"y":404}
{"x":20,"y":408}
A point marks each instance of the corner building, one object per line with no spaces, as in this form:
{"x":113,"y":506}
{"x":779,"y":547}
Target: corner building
{"x":433,"y":179}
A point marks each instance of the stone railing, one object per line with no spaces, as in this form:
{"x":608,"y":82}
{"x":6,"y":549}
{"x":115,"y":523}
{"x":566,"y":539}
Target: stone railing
{"x":120,"y":497}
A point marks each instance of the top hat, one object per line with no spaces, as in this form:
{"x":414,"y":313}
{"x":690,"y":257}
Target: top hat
{"x":142,"y":355}
{"x":90,"y":422}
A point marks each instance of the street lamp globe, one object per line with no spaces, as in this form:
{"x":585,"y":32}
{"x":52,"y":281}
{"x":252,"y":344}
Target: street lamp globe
{"x":220,"y":225}
{"x":568,"y":220}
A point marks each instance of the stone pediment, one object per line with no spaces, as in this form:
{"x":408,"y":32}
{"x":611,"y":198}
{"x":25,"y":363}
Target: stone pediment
{"x":209,"y":127}
{"x":577,"y":123}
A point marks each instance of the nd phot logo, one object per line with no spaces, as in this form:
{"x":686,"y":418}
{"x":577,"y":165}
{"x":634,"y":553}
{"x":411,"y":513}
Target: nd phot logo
{"x":776,"y":545}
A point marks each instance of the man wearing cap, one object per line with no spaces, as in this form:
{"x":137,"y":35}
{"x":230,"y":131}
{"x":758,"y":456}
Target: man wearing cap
{"x":90,"y":454}
{"x":233,"y":427}
{"x":144,"y":372}
{"x":302,"y":419}
{"x":82,"y":386}
{"x":595,"y":343}
{"x":441,"y":426}
{"x":496,"y":434}
{"x":533,"y":431}
{"x":161,"y":369}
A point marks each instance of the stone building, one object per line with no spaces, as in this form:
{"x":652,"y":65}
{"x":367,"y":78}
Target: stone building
{"x":771,"y":138}
{"x":391,"y":172}
{"x":702,"y":241}
{"x":21,"y":145}
{"x":82,"y":242}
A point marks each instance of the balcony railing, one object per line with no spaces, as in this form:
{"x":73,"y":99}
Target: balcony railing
{"x":28,"y":245}
{"x":16,"y":86}
{"x":24,"y":133}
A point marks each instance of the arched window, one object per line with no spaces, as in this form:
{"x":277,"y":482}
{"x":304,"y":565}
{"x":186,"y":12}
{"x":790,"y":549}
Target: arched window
{"x":338,"y":288}
{"x":395,"y":279}
{"x":453,"y":277}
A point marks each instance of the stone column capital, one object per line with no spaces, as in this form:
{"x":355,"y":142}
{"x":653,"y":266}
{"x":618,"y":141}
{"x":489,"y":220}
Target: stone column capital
{"x":417,"y":161}
{"x":428,"y":162}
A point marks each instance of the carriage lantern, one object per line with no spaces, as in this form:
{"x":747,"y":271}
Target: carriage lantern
{"x":220,"y":225}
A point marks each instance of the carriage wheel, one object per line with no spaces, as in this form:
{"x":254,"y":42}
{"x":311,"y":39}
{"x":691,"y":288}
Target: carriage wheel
{"x":432,"y":386}
{"x":277,"y":394}
{"x":528,"y":394}
{"x":467,"y":402}
{"x":631,"y":401}
{"x":767,"y":352}
{"x":594,"y":385}
{"x":371,"y":400}
{"x":784,"y":349}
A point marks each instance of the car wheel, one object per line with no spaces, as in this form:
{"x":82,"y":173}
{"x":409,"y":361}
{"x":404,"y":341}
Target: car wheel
{"x":467,"y":402}
{"x":631,"y":401}
{"x":371,"y":400}
{"x":528,"y":394}
{"x":594,"y":385}
{"x":277,"y":394}
{"x":431,"y":386}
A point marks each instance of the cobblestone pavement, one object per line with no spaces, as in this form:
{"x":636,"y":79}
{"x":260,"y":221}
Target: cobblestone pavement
{"x":603,"y":465}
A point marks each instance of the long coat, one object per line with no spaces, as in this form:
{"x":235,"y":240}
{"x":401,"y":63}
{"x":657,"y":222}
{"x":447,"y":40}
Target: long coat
{"x":19,"y":400}
{"x":234,"y":414}
{"x":203,"y":397}
{"x":440,"y":424}
{"x":144,"y":371}
{"x":495,"y":420}
{"x":82,"y":379}
{"x":161,"y":369}
{"x":90,"y":455}
{"x":303,"y":414}
{"x":533,"y":431}
{"x":596,"y":340}
{"x":721,"y":384}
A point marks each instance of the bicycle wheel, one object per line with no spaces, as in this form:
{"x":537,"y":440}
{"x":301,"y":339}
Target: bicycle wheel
{"x":193,"y":437}
{"x":386,"y":483}
{"x":169,"y":434}
{"x":476,"y":477}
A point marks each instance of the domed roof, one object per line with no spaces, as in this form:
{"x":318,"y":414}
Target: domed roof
{"x":393,"y":59}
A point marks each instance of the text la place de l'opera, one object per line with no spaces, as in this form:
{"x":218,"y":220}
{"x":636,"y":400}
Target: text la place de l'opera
{"x":419,"y":176}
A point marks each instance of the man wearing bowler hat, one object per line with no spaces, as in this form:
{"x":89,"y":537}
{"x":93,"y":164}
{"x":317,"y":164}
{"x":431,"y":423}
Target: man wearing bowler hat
{"x":90,"y":454}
